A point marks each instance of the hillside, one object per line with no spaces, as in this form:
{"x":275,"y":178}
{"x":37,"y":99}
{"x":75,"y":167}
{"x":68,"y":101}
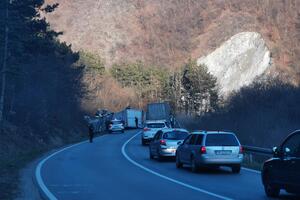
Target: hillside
{"x":167,"y":33}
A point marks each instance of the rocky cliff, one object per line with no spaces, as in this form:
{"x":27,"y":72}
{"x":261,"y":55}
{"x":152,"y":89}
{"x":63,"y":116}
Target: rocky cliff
{"x":239,"y":61}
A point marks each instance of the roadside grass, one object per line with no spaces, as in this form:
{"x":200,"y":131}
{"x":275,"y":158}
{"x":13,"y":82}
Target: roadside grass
{"x":9,"y":172}
{"x":11,"y":165}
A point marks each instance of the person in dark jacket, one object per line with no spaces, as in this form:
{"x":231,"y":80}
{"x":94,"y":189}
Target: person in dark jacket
{"x":91,"y":132}
{"x":136,"y":122}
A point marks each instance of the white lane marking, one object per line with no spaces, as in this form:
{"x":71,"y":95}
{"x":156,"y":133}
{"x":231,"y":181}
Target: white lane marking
{"x":166,"y":177}
{"x":251,"y":170}
{"x":38,"y":175}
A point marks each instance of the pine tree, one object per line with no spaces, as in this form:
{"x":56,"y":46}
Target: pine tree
{"x":200,"y":91}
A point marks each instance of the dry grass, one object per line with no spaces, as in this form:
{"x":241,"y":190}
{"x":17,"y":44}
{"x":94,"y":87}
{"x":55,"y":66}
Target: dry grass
{"x":167,"y":33}
{"x":106,"y":92}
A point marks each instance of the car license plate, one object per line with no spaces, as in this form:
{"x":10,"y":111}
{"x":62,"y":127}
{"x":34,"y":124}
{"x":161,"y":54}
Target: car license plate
{"x":223,"y":152}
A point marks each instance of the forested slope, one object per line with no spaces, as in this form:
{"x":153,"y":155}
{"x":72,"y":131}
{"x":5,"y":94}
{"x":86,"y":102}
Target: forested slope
{"x":42,"y":91}
{"x":168,"y":33}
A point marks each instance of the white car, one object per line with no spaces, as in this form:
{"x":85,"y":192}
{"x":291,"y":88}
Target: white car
{"x":116,"y":125}
{"x":150,"y":129}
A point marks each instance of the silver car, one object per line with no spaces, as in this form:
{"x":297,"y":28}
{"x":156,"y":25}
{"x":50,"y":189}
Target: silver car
{"x":165,"y":142}
{"x":151,"y":127}
{"x":116,"y":125}
{"x":210,"y":149}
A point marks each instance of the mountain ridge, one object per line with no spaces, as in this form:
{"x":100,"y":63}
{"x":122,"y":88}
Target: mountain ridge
{"x":168,"y":33}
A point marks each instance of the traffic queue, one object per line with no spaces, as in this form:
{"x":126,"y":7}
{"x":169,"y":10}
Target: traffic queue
{"x":201,"y":149}
{"x":215,"y":149}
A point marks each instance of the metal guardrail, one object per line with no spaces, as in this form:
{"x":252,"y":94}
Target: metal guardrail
{"x":258,"y":150}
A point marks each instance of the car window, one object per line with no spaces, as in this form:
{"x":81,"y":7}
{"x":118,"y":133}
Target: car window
{"x":155,"y":125}
{"x":193,"y":139}
{"x":175,"y":135}
{"x":219,"y":139}
{"x":168,"y":124}
{"x":159,"y":135}
{"x":199,"y":139}
{"x":292,"y":145}
{"x":116,"y":122}
{"x":156,"y":136}
{"x":187,"y":140}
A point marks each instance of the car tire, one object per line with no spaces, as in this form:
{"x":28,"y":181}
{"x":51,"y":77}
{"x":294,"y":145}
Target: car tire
{"x":123,"y":131}
{"x":159,"y":157}
{"x":194,"y":166}
{"x":143,"y":142}
{"x":236,"y":169}
{"x":178,"y":163}
{"x":270,"y":190}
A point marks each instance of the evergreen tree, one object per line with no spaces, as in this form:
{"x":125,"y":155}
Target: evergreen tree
{"x":199,"y":89}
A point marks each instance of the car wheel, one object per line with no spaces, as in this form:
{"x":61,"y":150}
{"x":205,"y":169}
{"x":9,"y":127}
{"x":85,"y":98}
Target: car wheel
{"x":194,"y":166}
{"x":178,"y":163}
{"x":236,"y":169}
{"x":123,"y":131}
{"x":143,"y":142}
{"x":270,"y":190}
{"x":159,"y":157}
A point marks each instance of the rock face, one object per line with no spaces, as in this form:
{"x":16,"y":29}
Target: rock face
{"x":238,"y":61}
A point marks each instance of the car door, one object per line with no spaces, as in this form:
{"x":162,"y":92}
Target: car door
{"x":156,"y":141}
{"x":191,"y":147}
{"x":184,"y":149}
{"x":152,"y":143}
{"x":187,"y":151}
{"x":196,"y":147}
{"x":290,"y":163}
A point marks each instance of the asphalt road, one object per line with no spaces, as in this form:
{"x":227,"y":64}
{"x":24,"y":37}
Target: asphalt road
{"x":116,"y":166}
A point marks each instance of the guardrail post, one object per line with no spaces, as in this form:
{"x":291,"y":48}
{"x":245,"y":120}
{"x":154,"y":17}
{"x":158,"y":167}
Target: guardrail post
{"x":251,"y":158}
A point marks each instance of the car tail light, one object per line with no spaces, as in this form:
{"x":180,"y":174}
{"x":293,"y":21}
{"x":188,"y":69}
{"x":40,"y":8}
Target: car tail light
{"x":147,"y":129}
{"x":162,"y":142}
{"x":241,"y":149}
{"x":203,"y":150}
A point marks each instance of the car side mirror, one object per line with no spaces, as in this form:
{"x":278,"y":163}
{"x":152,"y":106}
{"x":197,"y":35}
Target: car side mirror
{"x":287,"y":151}
{"x":275,"y":151}
{"x":179,"y":143}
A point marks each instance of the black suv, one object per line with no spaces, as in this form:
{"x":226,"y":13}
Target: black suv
{"x":283,"y":170}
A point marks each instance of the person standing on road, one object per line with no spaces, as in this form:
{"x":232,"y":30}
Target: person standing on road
{"x":136,"y":122}
{"x":91,"y":132}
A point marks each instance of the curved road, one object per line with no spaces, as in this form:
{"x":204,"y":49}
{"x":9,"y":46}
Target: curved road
{"x":116,"y":166}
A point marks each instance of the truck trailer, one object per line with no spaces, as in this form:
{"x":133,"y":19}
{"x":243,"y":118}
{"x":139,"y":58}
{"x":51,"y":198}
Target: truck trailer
{"x":159,"y":111}
{"x":128,"y":117}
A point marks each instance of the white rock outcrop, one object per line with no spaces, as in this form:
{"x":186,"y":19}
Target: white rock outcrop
{"x":238,"y":61}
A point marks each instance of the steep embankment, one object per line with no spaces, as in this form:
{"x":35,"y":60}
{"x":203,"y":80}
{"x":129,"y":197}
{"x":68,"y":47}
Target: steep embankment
{"x":238,"y":62}
{"x":167,"y":33}
{"x":41,"y":108}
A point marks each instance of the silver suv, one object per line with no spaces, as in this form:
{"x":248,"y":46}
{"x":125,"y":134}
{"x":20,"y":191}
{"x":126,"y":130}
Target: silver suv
{"x":210,"y":148}
{"x":165,"y":142}
{"x":150,"y":129}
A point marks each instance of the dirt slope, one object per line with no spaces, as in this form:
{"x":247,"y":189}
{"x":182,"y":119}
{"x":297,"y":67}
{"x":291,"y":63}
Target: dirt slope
{"x":167,"y":33}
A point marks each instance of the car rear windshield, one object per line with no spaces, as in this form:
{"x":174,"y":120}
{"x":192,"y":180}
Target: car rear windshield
{"x":116,"y":122}
{"x":155,"y":125}
{"x":221,"y":140}
{"x":175,"y":135}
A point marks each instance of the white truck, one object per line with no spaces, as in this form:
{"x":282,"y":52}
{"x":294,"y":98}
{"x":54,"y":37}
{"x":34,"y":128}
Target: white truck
{"x":128,"y":116}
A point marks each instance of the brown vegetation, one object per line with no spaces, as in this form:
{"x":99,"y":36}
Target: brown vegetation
{"x":167,"y":33}
{"x":106,"y":92}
